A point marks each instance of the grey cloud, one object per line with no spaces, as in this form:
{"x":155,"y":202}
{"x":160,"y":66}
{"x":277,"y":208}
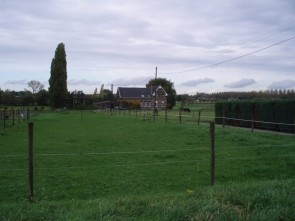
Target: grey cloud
{"x":17,"y":82}
{"x":167,"y":34}
{"x":75,"y":82}
{"x":241,"y":83}
{"x":131,"y":81}
{"x":194,"y":83}
{"x":285,"y":84}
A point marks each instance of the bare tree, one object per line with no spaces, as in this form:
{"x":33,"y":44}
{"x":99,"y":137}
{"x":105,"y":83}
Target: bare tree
{"x":36,"y":86}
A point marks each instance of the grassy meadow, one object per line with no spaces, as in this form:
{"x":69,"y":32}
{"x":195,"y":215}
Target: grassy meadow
{"x":102,"y":166}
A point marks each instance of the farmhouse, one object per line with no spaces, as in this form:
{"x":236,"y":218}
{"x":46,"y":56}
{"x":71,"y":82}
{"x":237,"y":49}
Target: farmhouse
{"x":145,"y":98}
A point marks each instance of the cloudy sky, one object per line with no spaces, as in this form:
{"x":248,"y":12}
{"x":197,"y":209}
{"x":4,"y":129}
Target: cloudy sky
{"x":201,"y":46}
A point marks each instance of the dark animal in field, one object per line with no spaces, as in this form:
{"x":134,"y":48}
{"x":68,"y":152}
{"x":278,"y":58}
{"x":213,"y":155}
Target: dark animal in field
{"x":185,"y":110}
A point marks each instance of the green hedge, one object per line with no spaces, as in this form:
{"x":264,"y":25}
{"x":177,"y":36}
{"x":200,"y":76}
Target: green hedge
{"x":274,"y":111}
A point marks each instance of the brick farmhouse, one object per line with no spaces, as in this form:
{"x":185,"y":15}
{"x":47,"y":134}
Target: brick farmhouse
{"x":146,"y":98}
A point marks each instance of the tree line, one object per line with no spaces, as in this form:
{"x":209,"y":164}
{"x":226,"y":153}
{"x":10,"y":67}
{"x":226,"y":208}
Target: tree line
{"x":234,"y":95}
{"x":58,"y":95}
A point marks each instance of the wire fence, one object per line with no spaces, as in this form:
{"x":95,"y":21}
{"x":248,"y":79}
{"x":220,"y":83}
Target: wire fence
{"x":141,"y":152}
{"x":204,"y":115}
{"x":11,"y":117}
{"x":192,"y":162}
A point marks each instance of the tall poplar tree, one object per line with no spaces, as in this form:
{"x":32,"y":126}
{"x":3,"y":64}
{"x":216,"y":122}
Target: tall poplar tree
{"x":58,"y":91}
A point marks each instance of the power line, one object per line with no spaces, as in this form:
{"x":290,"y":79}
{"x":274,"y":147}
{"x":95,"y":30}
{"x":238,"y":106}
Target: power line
{"x":232,"y":59}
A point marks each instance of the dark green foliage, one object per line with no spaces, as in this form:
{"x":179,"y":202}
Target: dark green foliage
{"x":168,"y":87}
{"x":42,"y":97}
{"x":58,"y":78}
{"x":270,"y":111}
{"x":7,"y":98}
{"x":268,"y":94}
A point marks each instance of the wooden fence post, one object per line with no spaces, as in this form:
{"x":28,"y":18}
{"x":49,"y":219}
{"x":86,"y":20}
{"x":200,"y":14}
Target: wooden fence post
{"x":212,"y":152}
{"x":166,"y":115}
{"x":13,"y":117}
{"x":4,"y":118}
{"x":199,"y":118}
{"x":180,"y":112}
{"x":252,"y":124}
{"x":28,"y":113}
{"x":18,"y":115}
{"x":223,"y":118}
{"x":31,"y":174}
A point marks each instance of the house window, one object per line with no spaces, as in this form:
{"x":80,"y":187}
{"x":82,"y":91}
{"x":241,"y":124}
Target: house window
{"x":163,"y":103}
{"x":156,"y":103}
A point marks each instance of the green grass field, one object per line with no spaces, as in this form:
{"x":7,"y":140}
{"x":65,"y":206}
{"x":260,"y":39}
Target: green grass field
{"x":98,"y":166}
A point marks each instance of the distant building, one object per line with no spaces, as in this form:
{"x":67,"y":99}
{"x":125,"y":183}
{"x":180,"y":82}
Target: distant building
{"x":145,"y":98}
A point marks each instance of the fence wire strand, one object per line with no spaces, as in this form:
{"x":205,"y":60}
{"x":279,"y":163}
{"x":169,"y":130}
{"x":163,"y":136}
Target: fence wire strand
{"x":164,"y":163}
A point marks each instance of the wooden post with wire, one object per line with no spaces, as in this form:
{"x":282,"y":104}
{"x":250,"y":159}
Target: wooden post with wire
{"x":4,"y":118}
{"x":252,"y":124}
{"x":31,"y":174}
{"x":212,"y":153}
{"x":223,"y":118}
{"x":199,"y":118}
{"x":166,"y":115}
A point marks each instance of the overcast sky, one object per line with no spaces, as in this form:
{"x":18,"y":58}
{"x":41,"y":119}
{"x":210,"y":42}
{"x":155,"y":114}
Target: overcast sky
{"x":120,"y":42}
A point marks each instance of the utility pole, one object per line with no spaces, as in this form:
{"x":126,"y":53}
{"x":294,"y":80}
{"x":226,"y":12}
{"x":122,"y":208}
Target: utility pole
{"x":156,"y":73}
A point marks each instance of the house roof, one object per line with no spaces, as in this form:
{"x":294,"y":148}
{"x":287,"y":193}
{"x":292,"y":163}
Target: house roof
{"x":160,"y":87}
{"x":132,"y":92}
{"x":137,"y":92}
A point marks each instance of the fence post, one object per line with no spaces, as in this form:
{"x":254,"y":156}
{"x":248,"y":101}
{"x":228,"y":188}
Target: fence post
{"x":180,"y":116}
{"x":199,"y":118}
{"x":18,"y":115}
{"x":212,"y":152}
{"x":223,"y":118}
{"x":166,"y":115}
{"x":28,"y":114}
{"x":252,"y":123}
{"x":31,"y":186}
{"x":13,"y":117}
{"x":4,"y":118}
